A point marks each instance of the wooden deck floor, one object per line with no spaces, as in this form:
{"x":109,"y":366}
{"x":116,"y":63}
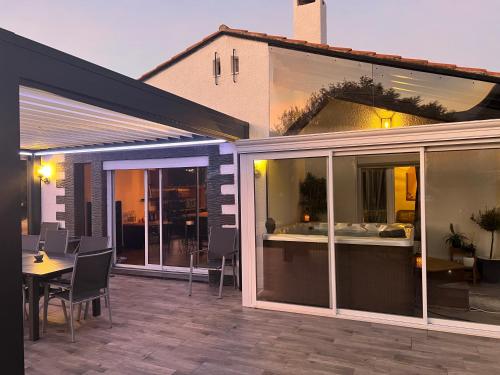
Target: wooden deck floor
{"x":159,"y":330}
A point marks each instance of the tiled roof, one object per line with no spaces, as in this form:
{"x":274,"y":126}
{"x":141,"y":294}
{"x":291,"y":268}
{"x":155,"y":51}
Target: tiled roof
{"x":349,"y":53}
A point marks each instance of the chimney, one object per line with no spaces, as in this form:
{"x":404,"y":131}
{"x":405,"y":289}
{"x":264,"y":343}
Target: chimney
{"x":309,"y":20}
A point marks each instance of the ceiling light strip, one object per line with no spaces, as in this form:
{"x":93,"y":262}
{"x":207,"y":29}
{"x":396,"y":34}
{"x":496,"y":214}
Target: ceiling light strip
{"x":129,"y":147}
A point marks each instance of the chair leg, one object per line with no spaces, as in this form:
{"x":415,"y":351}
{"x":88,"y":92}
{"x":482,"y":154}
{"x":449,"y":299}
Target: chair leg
{"x":233,"y":266}
{"x":86,"y":313}
{"x":79,"y":312}
{"x":71,"y":324}
{"x":108,"y":302}
{"x":190,"y":286}
{"x":63,"y":305}
{"x":222,"y":276}
{"x":45,"y":308}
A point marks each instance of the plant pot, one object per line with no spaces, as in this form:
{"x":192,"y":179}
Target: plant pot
{"x":270,"y":225}
{"x":489,"y":269}
{"x":468,"y":261}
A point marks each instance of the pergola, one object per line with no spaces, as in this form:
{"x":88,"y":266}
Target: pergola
{"x":54,"y":102}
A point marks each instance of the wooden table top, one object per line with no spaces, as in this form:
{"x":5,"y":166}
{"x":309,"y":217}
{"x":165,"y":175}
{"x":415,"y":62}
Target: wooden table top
{"x":440,"y":265}
{"x":50,"y":265}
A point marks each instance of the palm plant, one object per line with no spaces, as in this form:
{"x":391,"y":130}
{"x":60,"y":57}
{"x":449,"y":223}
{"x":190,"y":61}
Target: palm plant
{"x":489,"y":220}
{"x":455,"y":239}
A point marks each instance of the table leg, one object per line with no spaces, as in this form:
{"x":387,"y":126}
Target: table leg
{"x":96,"y":307}
{"x":33,"y":301}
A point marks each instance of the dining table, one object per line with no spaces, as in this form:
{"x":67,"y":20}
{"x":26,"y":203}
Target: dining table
{"x":35,"y":274}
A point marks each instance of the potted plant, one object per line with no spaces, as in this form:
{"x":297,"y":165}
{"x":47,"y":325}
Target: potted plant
{"x":313,"y":197}
{"x":469,"y":254}
{"x":454,"y":239}
{"x":489,"y":220}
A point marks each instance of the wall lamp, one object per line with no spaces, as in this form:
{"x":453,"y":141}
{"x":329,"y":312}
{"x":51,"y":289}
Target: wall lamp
{"x":386,"y":123}
{"x":45,"y":173}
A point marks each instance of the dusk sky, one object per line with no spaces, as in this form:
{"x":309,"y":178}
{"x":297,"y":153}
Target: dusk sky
{"x":131,"y":37}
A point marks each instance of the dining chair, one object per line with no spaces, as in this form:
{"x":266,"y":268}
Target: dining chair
{"x":30,"y":242}
{"x":221,"y":251}
{"x":89,"y":281}
{"x":92,"y":243}
{"x":56,"y":242}
{"x":46,"y":226}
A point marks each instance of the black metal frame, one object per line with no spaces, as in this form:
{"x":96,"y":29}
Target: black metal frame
{"x":25,"y":62}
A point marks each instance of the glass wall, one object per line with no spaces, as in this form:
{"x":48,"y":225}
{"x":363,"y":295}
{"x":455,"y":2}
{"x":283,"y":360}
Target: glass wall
{"x":154,"y":216}
{"x":313,"y":93}
{"x":292,"y":231}
{"x":185,"y":215}
{"x":129,"y":220}
{"x":377,"y":236}
{"x":463,"y":220}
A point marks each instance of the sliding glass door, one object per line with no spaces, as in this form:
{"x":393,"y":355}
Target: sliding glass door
{"x":160,"y":215}
{"x":184,"y":214}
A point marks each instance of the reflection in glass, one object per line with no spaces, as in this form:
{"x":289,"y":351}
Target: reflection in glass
{"x":377,"y":233}
{"x":185,"y":214}
{"x":153,"y":216}
{"x":463,"y":283}
{"x":313,"y":93}
{"x":129,"y":220}
{"x":292,"y":231}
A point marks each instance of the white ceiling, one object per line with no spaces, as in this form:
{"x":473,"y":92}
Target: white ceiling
{"x":51,"y":121}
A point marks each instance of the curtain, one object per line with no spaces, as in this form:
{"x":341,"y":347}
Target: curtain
{"x":374,"y":195}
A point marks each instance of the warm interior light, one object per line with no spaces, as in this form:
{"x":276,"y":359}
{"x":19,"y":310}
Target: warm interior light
{"x":45,"y":173}
{"x":386,"y":123}
{"x":260,"y":167}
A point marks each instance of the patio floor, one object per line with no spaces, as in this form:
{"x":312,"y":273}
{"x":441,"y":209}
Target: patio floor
{"x":158,"y":329}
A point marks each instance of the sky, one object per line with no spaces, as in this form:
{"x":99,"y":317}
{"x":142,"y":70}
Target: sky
{"x":133,"y":36}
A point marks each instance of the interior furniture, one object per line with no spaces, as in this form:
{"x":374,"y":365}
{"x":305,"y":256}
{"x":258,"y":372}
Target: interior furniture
{"x":89,"y":282}
{"x":35,"y":274}
{"x":46,"y":226}
{"x":56,"y":242}
{"x":445,"y":284}
{"x":221,"y":250}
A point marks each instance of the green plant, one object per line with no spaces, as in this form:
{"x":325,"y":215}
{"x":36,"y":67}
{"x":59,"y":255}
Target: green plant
{"x":455,"y":239}
{"x":489,"y":220}
{"x":469,"y":248}
{"x":313,"y":195}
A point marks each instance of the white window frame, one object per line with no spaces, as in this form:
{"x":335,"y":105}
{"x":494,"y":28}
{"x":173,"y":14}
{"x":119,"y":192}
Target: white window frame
{"x":426,"y":138}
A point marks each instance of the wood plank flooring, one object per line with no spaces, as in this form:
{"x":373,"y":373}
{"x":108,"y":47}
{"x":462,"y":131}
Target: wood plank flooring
{"x":158,"y":329}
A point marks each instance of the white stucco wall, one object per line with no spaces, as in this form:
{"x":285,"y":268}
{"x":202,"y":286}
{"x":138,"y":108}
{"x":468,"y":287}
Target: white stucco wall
{"x":247,"y":99}
{"x":50,"y":191}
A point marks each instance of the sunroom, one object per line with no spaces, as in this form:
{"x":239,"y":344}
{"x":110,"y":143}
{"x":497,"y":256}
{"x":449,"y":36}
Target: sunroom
{"x":376,"y":198}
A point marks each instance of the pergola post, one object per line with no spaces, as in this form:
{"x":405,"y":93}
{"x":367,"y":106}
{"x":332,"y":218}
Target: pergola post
{"x":11,"y":316}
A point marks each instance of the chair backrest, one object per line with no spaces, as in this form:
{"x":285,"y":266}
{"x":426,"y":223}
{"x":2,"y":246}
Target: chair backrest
{"x":56,"y":242}
{"x":30,"y":242}
{"x":91,"y":273}
{"x":92,"y":243}
{"x":46,"y":226}
{"x":221,"y":242}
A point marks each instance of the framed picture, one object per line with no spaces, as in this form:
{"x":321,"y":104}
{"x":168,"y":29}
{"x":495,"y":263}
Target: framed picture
{"x":411,"y":185}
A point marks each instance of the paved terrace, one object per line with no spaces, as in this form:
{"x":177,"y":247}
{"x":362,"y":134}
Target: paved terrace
{"x":159,"y":330}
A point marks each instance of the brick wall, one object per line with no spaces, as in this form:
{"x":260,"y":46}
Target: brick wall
{"x":220,"y":173}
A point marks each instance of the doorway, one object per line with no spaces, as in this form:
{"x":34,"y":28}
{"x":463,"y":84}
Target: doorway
{"x":159,"y":216}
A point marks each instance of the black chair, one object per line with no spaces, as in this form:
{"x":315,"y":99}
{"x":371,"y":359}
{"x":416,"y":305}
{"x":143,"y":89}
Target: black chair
{"x":92,"y":243}
{"x":56,"y":242}
{"x":46,"y":226}
{"x":221,"y":251}
{"x":30,"y":242}
{"x":89,"y":281}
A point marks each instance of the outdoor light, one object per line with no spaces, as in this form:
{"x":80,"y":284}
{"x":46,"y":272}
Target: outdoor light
{"x":260,"y":167}
{"x":45,"y":173}
{"x":386,"y":122}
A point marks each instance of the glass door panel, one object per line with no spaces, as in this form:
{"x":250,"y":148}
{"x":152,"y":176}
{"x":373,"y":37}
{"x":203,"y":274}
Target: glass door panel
{"x":291,"y":226}
{"x":153,"y":216}
{"x":183,"y":202}
{"x":129,"y":217}
{"x":377,"y":233}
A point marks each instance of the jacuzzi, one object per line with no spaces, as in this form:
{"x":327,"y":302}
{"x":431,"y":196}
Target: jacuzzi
{"x":345,"y":233}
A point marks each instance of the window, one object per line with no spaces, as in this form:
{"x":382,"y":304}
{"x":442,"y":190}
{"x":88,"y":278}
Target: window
{"x":235,"y":65}
{"x":216,"y":68}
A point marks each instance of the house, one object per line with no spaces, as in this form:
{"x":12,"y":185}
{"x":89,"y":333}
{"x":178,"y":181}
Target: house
{"x":356,"y":166}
